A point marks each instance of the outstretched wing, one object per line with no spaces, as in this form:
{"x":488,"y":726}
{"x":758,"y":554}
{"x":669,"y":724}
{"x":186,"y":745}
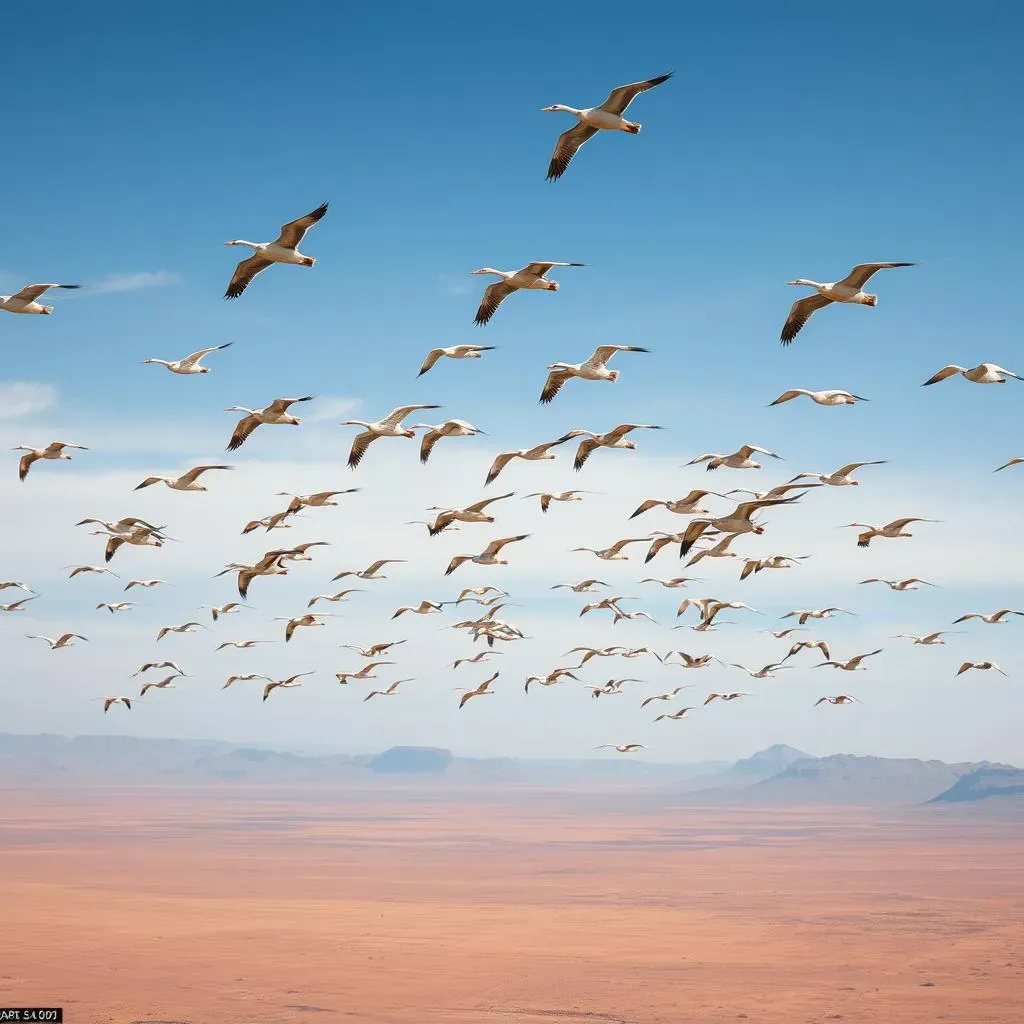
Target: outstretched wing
{"x":566,"y":147}
{"x":494,"y":295}
{"x":245,"y":426}
{"x":799,"y":313}
{"x":31,"y":292}
{"x":556,"y":378}
{"x":863,"y":272}
{"x":619,"y":99}
{"x":244,"y":273}
{"x":293,"y":232}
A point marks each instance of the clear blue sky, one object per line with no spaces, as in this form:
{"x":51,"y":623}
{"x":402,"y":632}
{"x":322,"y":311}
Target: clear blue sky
{"x":793,"y":141}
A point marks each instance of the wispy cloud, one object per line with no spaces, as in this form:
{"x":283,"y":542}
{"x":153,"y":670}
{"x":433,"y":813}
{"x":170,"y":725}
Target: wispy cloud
{"x":134,"y":282}
{"x":21,"y":397}
{"x":454,"y":286}
{"x":329,"y":407}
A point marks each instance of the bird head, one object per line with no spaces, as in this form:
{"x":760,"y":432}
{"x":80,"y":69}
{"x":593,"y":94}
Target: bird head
{"x":204,"y":369}
{"x":293,"y":421}
{"x":49,"y":309}
{"x":613,"y":375}
{"x":552,"y":286}
{"x":630,"y":444}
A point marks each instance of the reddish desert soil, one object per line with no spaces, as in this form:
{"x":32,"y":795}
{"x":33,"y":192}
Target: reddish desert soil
{"x":226,"y":904}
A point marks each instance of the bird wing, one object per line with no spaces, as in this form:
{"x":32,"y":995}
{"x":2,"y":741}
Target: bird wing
{"x":799,"y":313}
{"x":281,"y":405}
{"x":430,"y":438}
{"x":395,"y":417}
{"x":244,"y":273}
{"x":455,"y":563}
{"x":947,"y":371}
{"x":293,"y":232}
{"x":245,"y":426}
{"x":898,"y":524}
{"x":604,"y":352}
{"x":479,"y":506}
{"x":788,"y":395}
{"x":193,"y":358}
{"x":494,"y":295}
{"x":359,"y":445}
{"x":587,"y":446}
{"x":196,"y":472}
{"x":566,"y":147}
{"x":538,"y":268}
{"x":432,"y":357}
{"x":500,"y":462}
{"x":496,"y":545}
{"x":25,"y":463}
{"x":556,"y":378}
{"x":32,"y":291}
{"x":619,"y":99}
{"x":624,"y":428}
{"x":863,"y":272}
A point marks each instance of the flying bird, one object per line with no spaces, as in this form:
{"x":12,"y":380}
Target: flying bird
{"x":450,"y":428}
{"x":191,"y":363}
{"x":1016,"y":461}
{"x":532,"y":276}
{"x":481,"y":691}
{"x":538,"y":453}
{"x":739,"y":459}
{"x":983,"y":665}
{"x":453,"y":352}
{"x":843,"y":698}
{"x":371,"y":572}
{"x":725,"y":696}
{"x":17,"y":606}
{"x":928,"y":640}
{"x":275,"y":413}
{"x":320,"y":499}
{"x":674,"y":716}
{"x":126,"y":701}
{"x":284,"y":249}
{"x":54,"y":450}
{"x":24,"y":301}
{"x":808,"y":645}
{"x":897,"y":528}
{"x":186,"y":482}
{"x":622,"y":748}
{"x":546,"y":497}
{"x":375,"y":649}
{"x":591,"y":120}
{"x":185,"y":627}
{"x":851,"y":665}
{"x":489,"y":555}
{"x":389,"y":692}
{"x":64,"y":640}
{"x":995,"y":618}
{"x":841,"y":477}
{"x":157,"y":664}
{"x":582,"y":587}
{"x":284,"y":683}
{"x":819,"y":397}
{"x":983,"y":373}
{"x":115,"y":606}
{"x":849,"y":289}
{"x":900,"y":585}
{"x":389,"y":426}
{"x":248,"y":677}
{"x":161,"y":684}
{"x":366,"y":672}
{"x":146,"y":584}
{"x":614,"y":438}
{"x":594,"y":368}
{"x":687,"y":505}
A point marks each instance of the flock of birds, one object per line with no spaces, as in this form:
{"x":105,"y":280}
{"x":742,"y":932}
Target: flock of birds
{"x":702,"y":534}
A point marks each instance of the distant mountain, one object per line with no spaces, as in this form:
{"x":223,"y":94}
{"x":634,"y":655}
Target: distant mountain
{"x":412,"y":760}
{"x":847,"y":779}
{"x":768,"y":762}
{"x":987,"y":781}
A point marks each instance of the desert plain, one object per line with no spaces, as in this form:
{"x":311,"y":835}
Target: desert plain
{"x":415,"y":905}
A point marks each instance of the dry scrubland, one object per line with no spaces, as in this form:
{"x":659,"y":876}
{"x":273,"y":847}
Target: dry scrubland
{"x":406,"y":904}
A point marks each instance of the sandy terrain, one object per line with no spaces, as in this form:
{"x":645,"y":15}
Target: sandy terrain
{"x":159,"y":905}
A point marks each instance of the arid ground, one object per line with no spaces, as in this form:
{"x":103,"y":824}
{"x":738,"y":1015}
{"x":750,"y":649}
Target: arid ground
{"x":229,"y":903}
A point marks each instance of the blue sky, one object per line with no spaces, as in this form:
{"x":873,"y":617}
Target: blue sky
{"x":790,"y":143}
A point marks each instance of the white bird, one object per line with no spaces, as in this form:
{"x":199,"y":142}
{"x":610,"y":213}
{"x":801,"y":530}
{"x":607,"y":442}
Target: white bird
{"x":284,"y":249}
{"x":341,"y":595}
{"x":663,"y":696}
{"x":995,"y":618}
{"x":489,"y":555}
{"x":674,"y":716}
{"x":582,"y":587}
{"x":54,"y":450}
{"x":216,"y":611}
{"x":594,"y":368}
{"x":983,"y":665}
{"x":24,"y":301}
{"x":546,"y":497}
{"x":241,"y":645}
{"x":271,"y":522}
{"x":375,"y":649}
{"x":740,"y":520}
{"x":248,"y":677}
{"x":537,"y":453}
{"x":552,"y":678}
{"x":928,"y":640}
{"x":448,"y":517}
{"x":819,"y":397}
{"x":532,"y":276}
{"x":851,"y":665}
{"x":849,"y":289}
{"x":64,"y":640}
{"x":687,"y":505}
{"x":186,"y":482}
{"x":480,"y":691}
{"x":900,"y":585}
{"x":843,"y":698}
{"x":320,"y":499}
{"x":983,"y":373}
{"x":476,"y":658}
{"x":764,"y":672}
{"x":809,"y":645}
{"x":739,"y":459}
{"x":116,"y":606}
{"x":423,"y":608}
{"x":466,"y":593}
{"x":185,"y":627}
{"x":160,"y":684}
{"x":157,"y":664}
{"x":275,"y":413}
{"x":126,"y":701}
{"x":781,"y":634}
{"x":143,"y":583}
{"x":679,"y":581}
{"x":725,"y":696}
{"x":690,"y":661}
{"x":614,"y":438}
{"x":1016,"y":461}
{"x":371,"y":572}
{"x":453,"y":352}
{"x":755,"y":565}
{"x":310,"y":619}
{"x":622,"y":748}
{"x":591,"y":120}
{"x":841,"y":477}
{"x":366,"y":672}
{"x":605,"y":604}
{"x":802,"y":615}
{"x":389,"y":692}
{"x":614,"y":553}
{"x":389,"y":426}
{"x":434,"y":433}
{"x":897,"y":528}
{"x":17,"y":606}
{"x":285,"y":684}
{"x":191,"y":363}
{"x":593,"y":652}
